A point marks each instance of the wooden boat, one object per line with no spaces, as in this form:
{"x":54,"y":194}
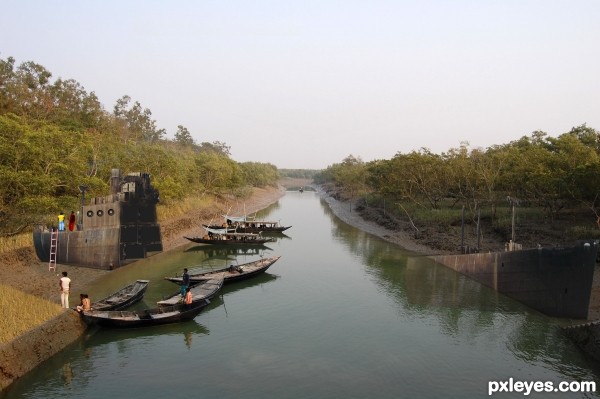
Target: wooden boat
{"x":249,"y":224}
{"x":222,"y":236}
{"x":260,"y":226}
{"x":144,"y":318}
{"x":203,"y":290}
{"x":123,"y":298}
{"x":231,"y":273}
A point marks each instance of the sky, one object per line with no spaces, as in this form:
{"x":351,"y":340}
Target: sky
{"x":303,"y":84}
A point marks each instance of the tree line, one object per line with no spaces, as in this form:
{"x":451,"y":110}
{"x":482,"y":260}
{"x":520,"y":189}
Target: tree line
{"x":550,"y":173}
{"x":56,"y":136}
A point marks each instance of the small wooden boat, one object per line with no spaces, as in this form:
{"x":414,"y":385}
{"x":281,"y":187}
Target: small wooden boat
{"x":223,"y":236}
{"x":203,"y":290}
{"x":144,"y":318}
{"x":123,"y":298}
{"x":231,"y":273}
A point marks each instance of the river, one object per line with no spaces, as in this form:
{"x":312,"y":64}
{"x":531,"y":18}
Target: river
{"x":342,"y":314}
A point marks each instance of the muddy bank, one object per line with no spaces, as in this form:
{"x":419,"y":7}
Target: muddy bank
{"x":346,"y":211}
{"x":21,"y":269}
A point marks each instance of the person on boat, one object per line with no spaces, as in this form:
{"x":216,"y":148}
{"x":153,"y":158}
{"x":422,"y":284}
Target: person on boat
{"x":185,"y":282}
{"x":85,"y":303}
{"x":72,"y":221}
{"x":61,"y":221}
{"x":188,"y":297}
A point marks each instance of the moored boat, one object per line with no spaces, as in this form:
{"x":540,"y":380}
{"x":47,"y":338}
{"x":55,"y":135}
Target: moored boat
{"x":249,"y":224}
{"x":556,"y":281}
{"x":144,"y":318}
{"x":231,"y":273}
{"x":123,"y":298}
{"x":200,"y":291}
{"x":222,"y":236}
{"x":242,"y":225}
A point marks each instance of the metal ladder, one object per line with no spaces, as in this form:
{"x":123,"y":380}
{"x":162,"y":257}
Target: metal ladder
{"x":53,"y":249}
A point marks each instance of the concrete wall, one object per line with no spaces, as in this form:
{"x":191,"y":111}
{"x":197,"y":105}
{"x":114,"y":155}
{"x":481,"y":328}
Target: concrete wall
{"x":555,"y":281}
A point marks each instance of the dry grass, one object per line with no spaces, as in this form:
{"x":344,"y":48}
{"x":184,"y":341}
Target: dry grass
{"x":171,"y":211}
{"x":19,"y":311}
{"x":8,"y":244}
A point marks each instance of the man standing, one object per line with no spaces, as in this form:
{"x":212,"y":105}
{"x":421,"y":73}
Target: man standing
{"x":185,"y":282}
{"x":65,"y":286}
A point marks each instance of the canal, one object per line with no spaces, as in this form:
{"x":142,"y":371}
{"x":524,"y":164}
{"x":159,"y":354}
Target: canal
{"x":342,"y":314}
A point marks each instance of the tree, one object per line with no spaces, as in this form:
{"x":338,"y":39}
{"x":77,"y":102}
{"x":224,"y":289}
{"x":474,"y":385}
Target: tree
{"x":183,"y":136}
{"x":137,"y":121}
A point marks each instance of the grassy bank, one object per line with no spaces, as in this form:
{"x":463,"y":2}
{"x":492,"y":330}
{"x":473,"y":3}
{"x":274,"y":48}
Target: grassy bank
{"x":20,"y":310}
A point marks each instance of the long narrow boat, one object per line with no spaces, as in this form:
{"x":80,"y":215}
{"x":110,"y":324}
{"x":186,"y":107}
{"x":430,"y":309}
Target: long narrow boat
{"x":222,"y":236}
{"x":123,"y":298}
{"x":204,"y":290}
{"x":241,"y":225}
{"x":231,"y":273}
{"x":249,"y":224}
{"x":144,"y":318}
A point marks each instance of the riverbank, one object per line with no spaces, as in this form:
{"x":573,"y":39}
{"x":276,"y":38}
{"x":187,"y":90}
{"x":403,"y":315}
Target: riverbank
{"x":345,"y":212}
{"x":22,"y":269}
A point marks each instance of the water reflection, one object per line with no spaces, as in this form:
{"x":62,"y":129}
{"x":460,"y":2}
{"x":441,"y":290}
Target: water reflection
{"x":464,"y":308}
{"x":226,"y":250}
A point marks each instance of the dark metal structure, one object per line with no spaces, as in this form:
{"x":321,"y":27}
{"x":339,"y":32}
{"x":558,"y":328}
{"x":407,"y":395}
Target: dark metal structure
{"x":556,"y":281}
{"x":111,"y":231}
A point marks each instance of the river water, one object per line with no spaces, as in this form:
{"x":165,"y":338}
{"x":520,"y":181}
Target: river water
{"x":342,"y":314}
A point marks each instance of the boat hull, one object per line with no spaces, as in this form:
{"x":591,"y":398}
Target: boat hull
{"x":123,"y":298}
{"x":204,"y":290}
{"x":144,"y":318}
{"x":249,"y":270}
{"x":212,"y":241}
{"x":99,"y":248}
{"x":250,"y":229}
{"x":110,"y":231}
{"x":554,"y":281}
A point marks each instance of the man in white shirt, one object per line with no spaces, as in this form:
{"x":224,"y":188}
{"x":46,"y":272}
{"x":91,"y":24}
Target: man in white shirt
{"x":65,"y":286}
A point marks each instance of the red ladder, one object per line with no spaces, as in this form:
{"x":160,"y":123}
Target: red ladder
{"x":53,"y":248}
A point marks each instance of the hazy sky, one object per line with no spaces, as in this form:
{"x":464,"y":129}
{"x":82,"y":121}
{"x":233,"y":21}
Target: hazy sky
{"x":303,"y":84}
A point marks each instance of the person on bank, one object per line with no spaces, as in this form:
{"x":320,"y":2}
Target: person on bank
{"x":65,"y":286}
{"x":85,"y":303}
{"x":61,"y":221}
{"x":72,"y":221}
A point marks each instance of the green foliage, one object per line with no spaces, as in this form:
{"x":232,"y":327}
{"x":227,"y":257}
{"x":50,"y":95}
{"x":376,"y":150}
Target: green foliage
{"x":544,"y":173}
{"x":298,"y":173}
{"x":259,"y":174}
{"x":55,"y":136}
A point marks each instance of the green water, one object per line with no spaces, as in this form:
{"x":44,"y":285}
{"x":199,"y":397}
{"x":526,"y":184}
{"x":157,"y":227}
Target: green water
{"x":342,"y":314}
